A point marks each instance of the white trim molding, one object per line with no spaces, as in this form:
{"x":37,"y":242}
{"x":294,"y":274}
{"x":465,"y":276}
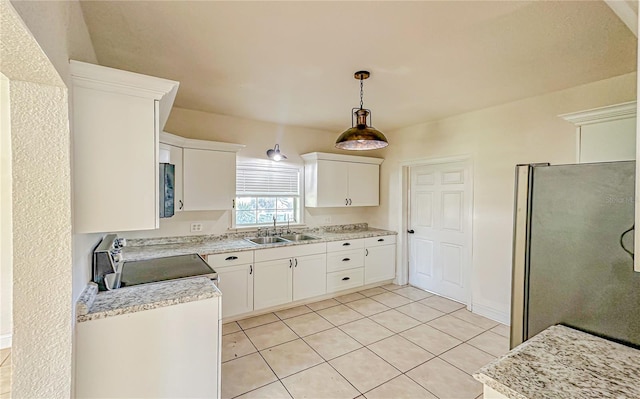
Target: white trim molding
{"x":182,"y":142}
{"x":491,"y":313}
{"x":602,"y":114}
{"x":627,"y":11}
{"x":314,"y":156}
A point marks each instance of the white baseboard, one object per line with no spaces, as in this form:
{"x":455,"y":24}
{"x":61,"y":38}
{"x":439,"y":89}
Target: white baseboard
{"x":5,"y":341}
{"x":491,"y":313}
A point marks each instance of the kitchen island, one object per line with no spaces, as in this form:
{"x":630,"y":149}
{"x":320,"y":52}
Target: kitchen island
{"x":159,"y":340}
{"x":560,"y":363}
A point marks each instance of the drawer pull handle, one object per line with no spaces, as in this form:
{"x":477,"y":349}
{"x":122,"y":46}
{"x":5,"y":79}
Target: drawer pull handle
{"x":380,"y":239}
{"x":366,"y":252}
{"x":346,"y":244}
{"x":231,"y":258}
{"x":250,"y":269}
{"x":346,"y":278}
{"x":346,"y":260}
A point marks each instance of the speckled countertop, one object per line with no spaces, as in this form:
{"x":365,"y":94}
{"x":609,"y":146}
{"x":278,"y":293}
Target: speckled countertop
{"x":94,"y":305}
{"x":206,"y":245}
{"x":561,"y":362}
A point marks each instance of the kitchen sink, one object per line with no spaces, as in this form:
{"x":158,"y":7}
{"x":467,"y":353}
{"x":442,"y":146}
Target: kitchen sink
{"x":266,"y":240}
{"x":299,"y":237}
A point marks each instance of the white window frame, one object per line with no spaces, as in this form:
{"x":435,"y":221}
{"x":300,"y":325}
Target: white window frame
{"x":266,"y":165}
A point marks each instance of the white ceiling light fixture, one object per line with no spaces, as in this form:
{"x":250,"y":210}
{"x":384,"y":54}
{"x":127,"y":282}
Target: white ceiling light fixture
{"x":274,"y":154}
{"x":361,"y":136}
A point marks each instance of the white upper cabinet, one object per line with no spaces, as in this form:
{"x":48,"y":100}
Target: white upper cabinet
{"x":207,"y":177}
{"x":117,"y":117}
{"x":334,"y":180}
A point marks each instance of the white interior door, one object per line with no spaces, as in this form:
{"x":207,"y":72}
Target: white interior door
{"x":440,"y":217}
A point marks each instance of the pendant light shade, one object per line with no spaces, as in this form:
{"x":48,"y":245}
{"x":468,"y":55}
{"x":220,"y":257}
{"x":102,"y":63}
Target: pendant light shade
{"x":362,"y":136}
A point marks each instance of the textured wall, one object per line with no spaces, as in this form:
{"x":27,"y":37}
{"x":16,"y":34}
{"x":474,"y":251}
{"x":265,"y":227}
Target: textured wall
{"x":41,"y":240}
{"x":42,"y":272}
{"x":497,"y":138}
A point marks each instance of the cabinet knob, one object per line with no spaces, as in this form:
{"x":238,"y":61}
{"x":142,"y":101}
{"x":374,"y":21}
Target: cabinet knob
{"x":250,"y":269}
{"x":350,"y":202}
{"x":180,"y":204}
{"x":346,"y":201}
{"x":366,"y":252}
{"x":290,"y":263}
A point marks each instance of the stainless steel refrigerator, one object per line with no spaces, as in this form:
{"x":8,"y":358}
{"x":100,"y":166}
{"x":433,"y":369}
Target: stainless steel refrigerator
{"x":572,"y":252}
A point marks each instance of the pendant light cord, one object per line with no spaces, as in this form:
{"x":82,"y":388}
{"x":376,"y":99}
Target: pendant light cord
{"x":361,"y":92}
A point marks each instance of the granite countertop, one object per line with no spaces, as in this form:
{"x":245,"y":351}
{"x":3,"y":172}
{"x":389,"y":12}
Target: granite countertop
{"x":93,"y":305}
{"x":561,"y":362}
{"x":208,"y":245}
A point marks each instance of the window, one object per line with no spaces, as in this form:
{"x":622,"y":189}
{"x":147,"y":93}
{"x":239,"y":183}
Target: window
{"x":267,"y":192}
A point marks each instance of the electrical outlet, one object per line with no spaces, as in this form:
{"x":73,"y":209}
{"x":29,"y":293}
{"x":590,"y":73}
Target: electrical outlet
{"x":196,"y":227}
{"x":326,"y":219}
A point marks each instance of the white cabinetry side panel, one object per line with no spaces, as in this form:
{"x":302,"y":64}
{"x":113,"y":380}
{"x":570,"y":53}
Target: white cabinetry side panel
{"x":175,"y":157}
{"x":167,"y":352}
{"x":209,"y":179}
{"x":115,"y":161}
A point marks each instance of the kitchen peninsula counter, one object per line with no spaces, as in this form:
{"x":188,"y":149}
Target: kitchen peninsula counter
{"x":208,"y":245}
{"x":93,"y":305}
{"x":561,"y":362}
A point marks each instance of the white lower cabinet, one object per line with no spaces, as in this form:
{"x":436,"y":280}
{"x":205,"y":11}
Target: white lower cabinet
{"x":235,"y":281}
{"x":167,"y":352}
{"x":380,"y":259}
{"x":273,"y":283}
{"x":309,"y":276}
{"x":291,"y":273}
{"x":236,"y":285}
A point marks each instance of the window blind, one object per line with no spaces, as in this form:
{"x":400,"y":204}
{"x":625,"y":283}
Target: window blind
{"x":261,"y":180}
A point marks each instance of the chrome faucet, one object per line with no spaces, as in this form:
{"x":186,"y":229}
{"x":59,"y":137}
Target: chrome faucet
{"x":288,"y":228}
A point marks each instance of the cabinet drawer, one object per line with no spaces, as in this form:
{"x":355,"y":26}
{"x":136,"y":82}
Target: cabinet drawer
{"x":345,"y":245}
{"x":382,"y":240}
{"x":345,"y":260}
{"x":230,"y":259}
{"x":342,"y":280}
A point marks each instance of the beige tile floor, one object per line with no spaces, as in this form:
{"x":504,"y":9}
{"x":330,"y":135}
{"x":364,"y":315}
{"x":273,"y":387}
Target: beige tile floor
{"x":5,"y":373}
{"x":385,"y":342}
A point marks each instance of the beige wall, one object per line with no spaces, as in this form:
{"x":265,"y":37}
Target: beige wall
{"x":497,"y":139}
{"x":258,"y":137}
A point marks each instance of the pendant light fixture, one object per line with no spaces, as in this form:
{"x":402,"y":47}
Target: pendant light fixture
{"x":361,"y":136}
{"x":275,"y":154}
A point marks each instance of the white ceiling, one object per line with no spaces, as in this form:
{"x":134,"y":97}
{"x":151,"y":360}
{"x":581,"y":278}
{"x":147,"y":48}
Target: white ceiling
{"x":293,"y":62}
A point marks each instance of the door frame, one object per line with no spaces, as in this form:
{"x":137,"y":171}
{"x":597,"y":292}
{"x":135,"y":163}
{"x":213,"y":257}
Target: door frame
{"x":403,"y":215}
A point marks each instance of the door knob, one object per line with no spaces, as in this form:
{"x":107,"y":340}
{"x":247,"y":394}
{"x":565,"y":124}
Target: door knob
{"x":410,"y":231}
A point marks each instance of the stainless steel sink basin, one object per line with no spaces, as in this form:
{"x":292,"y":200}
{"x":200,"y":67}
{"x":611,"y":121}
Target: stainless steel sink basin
{"x":299,"y":237}
{"x":265,"y":240}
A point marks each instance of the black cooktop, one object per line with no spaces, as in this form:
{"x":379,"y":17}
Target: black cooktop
{"x":160,"y":269}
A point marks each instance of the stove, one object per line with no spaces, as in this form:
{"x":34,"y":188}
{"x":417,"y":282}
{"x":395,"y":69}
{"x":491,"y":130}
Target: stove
{"x":110,"y":271}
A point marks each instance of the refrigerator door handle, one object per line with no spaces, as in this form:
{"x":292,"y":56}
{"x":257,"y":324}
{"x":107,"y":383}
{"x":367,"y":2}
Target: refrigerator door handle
{"x":622,"y":240}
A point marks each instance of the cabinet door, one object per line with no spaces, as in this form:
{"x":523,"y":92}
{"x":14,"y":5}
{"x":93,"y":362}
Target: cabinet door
{"x":236,"y":285}
{"x":332,"y":183}
{"x":272,"y":284}
{"x":209,"y":181}
{"x":364,"y":184}
{"x":309,"y":276}
{"x":175,"y":157}
{"x":115,"y":161}
{"x":379,"y":263}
